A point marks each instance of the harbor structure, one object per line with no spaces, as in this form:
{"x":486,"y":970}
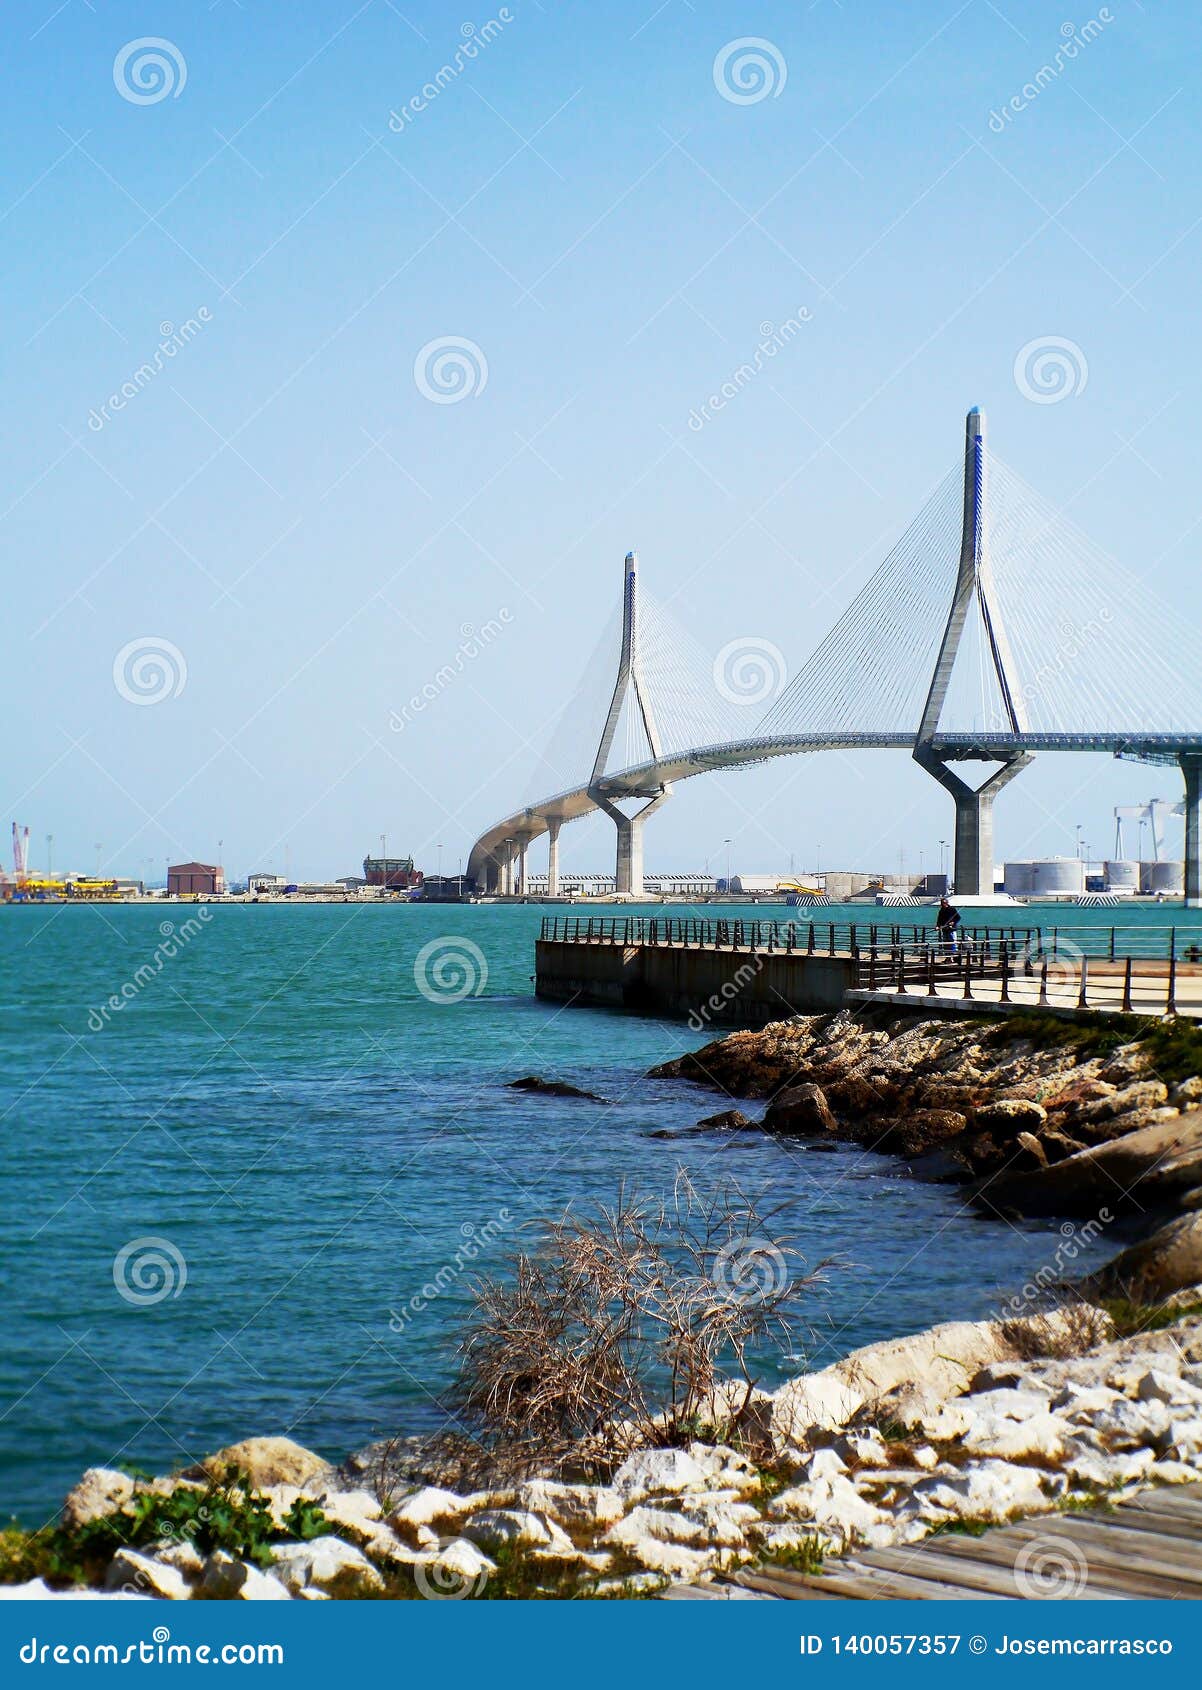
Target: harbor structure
{"x":205,"y":880}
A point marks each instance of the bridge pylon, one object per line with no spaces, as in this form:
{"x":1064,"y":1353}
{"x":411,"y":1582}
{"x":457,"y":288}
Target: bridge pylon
{"x":1191,"y":770}
{"x":973,"y":867}
{"x":628,"y":874}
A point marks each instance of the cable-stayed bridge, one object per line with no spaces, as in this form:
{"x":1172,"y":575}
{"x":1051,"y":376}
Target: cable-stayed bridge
{"x":993,"y":630}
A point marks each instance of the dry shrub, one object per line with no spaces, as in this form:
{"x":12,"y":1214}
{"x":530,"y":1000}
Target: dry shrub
{"x":1066,"y":1326}
{"x":622,"y":1327}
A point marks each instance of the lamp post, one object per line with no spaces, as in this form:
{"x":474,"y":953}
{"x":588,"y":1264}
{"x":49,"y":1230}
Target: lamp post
{"x":726,"y":842}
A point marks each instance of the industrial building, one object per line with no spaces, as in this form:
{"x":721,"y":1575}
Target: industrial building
{"x":1072,"y":877}
{"x":206,"y":880}
{"x":259,"y":885}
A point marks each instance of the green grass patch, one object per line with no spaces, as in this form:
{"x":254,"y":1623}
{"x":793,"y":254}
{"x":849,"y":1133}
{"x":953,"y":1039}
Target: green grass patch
{"x":1085,"y":1036}
{"x":1174,"y":1049}
{"x":804,"y":1557}
{"x":217,"y":1516}
{"x":1132,"y":1319}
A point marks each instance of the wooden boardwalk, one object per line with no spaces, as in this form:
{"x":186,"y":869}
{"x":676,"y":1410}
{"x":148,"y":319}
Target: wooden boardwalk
{"x":1148,"y":1546}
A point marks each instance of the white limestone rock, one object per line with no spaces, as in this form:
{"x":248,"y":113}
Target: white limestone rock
{"x":496,"y":1528}
{"x":572,"y":1505}
{"x":100,"y":1491}
{"x":37,"y":1590}
{"x":356,"y":1512}
{"x":834,"y":1504}
{"x":232,"y":1580}
{"x":182,"y":1554}
{"x":1081,"y":1401}
{"x":663,"y":1524}
{"x":1039,"y":1434}
{"x":143,"y":1575}
{"x":422,"y":1507}
{"x":987,"y":1490}
{"x":326,"y":1564}
{"x":865,"y":1449}
{"x":659,"y":1472}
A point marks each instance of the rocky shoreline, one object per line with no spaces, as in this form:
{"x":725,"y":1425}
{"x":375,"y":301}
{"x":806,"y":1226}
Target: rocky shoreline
{"x":1035,"y":1116}
{"x":966,"y":1423}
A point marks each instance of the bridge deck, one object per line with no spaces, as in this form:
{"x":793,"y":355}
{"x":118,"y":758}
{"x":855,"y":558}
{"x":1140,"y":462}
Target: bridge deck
{"x":1147,"y":1546}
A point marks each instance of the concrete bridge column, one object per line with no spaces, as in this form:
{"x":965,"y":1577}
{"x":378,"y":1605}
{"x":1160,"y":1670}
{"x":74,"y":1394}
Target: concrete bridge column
{"x":507,"y":855}
{"x":972,"y":874}
{"x":553,"y":827}
{"x":628,"y":869}
{"x":1191,"y":769}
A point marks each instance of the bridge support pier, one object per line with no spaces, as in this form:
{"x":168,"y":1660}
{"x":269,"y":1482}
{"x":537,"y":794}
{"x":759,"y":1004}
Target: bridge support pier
{"x":972,"y":874}
{"x":1191,"y":769}
{"x":628,"y":869}
{"x":553,"y":827}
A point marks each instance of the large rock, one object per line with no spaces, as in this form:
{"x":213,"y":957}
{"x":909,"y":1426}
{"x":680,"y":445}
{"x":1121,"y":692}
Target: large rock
{"x":658,"y":1472}
{"x":1144,"y":1094}
{"x":1137,"y":1171}
{"x":100,"y":1492}
{"x":983,"y":1490}
{"x":1156,"y":1267}
{"x":801,"y":1109}
{"x":572,"y":1505}
{"x":1008,"y":1116}
{"x":229,"y":1579}
{"x":425,"y":1505}
{"x":142,"y":1575}
{"x":920,"y":1131}
{"x":265,"y":1461}
{"x":326,"y":1564}
{"x":502,"y":1528}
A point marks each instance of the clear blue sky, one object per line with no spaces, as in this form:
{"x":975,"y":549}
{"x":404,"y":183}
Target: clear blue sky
{"x":285,"y":507}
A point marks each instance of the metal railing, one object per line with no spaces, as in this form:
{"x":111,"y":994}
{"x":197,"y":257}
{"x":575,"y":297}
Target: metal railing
{"x":1025,"y":973}
{"x":985,"y":944}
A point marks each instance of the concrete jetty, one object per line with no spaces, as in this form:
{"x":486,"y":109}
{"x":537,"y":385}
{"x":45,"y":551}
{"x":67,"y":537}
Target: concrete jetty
{"x":746,"y":973}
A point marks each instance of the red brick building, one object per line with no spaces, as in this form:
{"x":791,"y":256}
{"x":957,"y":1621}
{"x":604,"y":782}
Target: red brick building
{"x":186,"y":878}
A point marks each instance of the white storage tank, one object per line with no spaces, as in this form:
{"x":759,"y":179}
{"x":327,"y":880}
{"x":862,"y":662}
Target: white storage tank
{"x":1165,"y":878}
{"x":1122,"y":876}
{"x":1018,"y":879}
{"x":1057,"y":876}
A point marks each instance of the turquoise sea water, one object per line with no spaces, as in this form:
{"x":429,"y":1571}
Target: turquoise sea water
{"x":315,"y":1140}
